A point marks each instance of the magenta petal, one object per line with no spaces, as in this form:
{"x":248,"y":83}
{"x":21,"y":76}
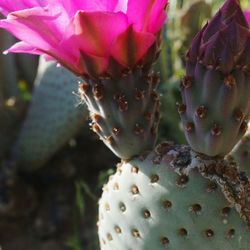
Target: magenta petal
{"x":147,"y":15}
{"x":22,"y":47}
{"x":88,"y":5}
{"x":43,"y":30}
{"x":131,"y":46}
{"x":83,"y":35}
{"x":122,"y":5}
{"x":247,"y":15}
{"x":7,"y":6}
{"x":96,"y":31}
{"x":157,"y":16}
{"x":34,"y":26}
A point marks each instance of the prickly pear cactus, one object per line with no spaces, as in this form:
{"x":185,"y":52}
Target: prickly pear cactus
{"x":241,"y":153}
{"x":163,"y":202}
{"x":215,"y":90}
{"x":53,"y":118}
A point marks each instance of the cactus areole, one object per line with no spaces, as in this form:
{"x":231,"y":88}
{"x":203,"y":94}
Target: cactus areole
{"x":216,"y":88}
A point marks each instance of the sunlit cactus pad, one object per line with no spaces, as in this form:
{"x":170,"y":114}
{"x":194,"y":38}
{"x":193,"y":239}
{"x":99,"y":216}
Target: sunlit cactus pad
{"x":146,"y":205}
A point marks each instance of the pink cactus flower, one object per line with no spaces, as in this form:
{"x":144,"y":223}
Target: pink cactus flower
{"x":84,"y":33}
{"x":247,"y":15}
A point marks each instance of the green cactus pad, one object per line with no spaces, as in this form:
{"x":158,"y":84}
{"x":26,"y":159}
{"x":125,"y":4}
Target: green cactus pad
{"x":124,"y":111}
{"x":146,"y":205}
{"x":53,"y":117}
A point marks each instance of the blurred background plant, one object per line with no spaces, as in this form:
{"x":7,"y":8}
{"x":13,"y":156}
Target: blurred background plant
{"x":52,"y":166}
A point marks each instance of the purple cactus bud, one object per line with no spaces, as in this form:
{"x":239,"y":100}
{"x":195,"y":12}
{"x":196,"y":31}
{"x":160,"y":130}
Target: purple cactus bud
{"x":216,"y":101}
{"x":223,"y":42}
